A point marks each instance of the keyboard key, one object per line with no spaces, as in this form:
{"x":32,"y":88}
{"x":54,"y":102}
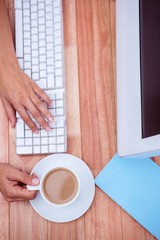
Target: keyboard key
{"x":27,"y":65}
{"x":58,"y":49}
{"x":33,"y":2}
{"x":18,"y":4}
{"x":57,"y":34}
{"x":50,"y":77}
{"x":59,"y":82}
{"x":58,"y":64}
{"x":44,"y":133}
{"x":60,"y":123}
{"x":35,"y":61}
{"x":20,"y":130}
{"x":20,"y":142}
{"x":57,"y":18}
{"x":43,"y":74}
{"x":34,"y":46}
{"x":26,"y":13}
{"x":49,"y":16}
{"x":26,"y":5}
{"x":28,"y":133}
{"x":41,"y":21}
{"x":28,"y":141}
{"x":43,"y":83}
{"x":36,"y":141}
{"x":34,"y":8}
{"x":44,"y":141}
{"x":19,"y":31}
{"x":27,"y":35}
{"x":24,"y":150}
{"x":59,"y":103}
{"x":52,"y":133}
{"x":42,"y":36}
{"x":36,"y":149}
{"x":52,"y":140}
{"x":59,"y":95}
{"x":34,"y":16}
{"x":59,"y":111}
{"x":52,"y":148}
{"x":57,"y":11}
{"x":50,"y":61}
{"x":60,"y":148}
{"x":57,"y":3}
{"x":35,"y":53}
{"x":42,"y":50}
{"x":41,"y":6}
{"x":27,"y":50}
{"x":59,"y":72}
{"x":26,"y":20}
{"x":44,"y":149}
{"x":58,"y":57}
{"x":49,"y":23}
{"x":60,"y":131}
{"x":35,"y":76}
{"x":58,"y":41}
{"x":42,"y":59}
{"x":27,"y":58}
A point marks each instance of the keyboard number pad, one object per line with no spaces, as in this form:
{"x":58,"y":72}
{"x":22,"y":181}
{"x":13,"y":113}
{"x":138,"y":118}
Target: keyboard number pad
{"x":44,"y":142}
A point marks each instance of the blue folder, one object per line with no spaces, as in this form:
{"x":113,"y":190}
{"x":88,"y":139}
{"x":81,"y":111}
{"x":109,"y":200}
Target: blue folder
{"x":134,"y":184}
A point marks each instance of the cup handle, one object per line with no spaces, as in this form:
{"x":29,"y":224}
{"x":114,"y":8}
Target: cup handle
{"x":33,"y":188}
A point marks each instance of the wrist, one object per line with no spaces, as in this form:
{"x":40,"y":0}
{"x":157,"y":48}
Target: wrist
{"x":8,"y":61}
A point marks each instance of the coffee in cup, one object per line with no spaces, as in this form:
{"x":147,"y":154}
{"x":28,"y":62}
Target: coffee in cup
{"x":60,"y":186}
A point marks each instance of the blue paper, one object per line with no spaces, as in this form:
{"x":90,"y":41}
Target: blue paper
{"x":134,"y":184}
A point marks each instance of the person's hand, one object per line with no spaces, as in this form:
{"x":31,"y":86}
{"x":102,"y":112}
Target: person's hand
{"x":22,"y":94}
{"x":13,"y":183}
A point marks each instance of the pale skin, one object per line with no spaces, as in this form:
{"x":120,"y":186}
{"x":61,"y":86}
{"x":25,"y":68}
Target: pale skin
{"x":18,"y":93}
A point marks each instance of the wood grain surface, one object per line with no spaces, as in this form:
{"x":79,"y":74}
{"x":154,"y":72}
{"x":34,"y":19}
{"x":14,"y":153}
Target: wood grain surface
{"x":89,"y":34}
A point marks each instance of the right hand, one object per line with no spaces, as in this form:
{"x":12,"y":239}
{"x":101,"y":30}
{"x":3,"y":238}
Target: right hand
{"x":22,"y":94}
{"x":13,"y":183}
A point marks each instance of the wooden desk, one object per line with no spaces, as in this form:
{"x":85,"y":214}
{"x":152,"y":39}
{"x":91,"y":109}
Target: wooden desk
{"x":89,"y":27}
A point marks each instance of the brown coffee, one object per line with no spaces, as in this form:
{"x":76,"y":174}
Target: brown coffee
{"x":60,"y":186}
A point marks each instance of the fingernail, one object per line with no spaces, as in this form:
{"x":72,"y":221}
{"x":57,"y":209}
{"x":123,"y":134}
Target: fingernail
{"x":48,"y":129}
{"x":35,"y":181}
{"x":50,"y":105}
{"x":36,"y":132}
{"x":11,"y":123}
{"x":51,"y":119}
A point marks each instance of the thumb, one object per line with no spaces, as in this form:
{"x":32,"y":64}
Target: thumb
{"x":10,"y":112}
{"x":28,"y":179}
{"x":35,"y":179}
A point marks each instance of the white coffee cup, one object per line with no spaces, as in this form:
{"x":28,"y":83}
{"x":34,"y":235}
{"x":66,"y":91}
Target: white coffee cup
{"x":59,"y":186}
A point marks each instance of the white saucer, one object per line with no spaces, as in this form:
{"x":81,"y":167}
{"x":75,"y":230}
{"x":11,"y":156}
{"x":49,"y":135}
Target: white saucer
{"x":85,"y":198}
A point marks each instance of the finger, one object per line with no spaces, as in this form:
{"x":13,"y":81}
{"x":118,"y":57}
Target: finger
{"x":22,"y":169}
{"x":17,"y":175}
{"x":41,"y":107}
{"x":42,"y":94}
{"x":20,"y":193}
{"x":10,"y":112}
{"x":27,"y":119}
{"x":36,"y":114}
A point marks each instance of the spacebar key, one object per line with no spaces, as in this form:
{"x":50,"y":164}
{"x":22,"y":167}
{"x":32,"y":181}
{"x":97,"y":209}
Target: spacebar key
{"x":19,"y":33}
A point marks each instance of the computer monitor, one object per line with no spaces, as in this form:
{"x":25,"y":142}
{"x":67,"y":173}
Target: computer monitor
{"x":138,"y":77}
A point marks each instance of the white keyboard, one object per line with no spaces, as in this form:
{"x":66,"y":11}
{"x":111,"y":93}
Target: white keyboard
{"x":40,"y":50}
